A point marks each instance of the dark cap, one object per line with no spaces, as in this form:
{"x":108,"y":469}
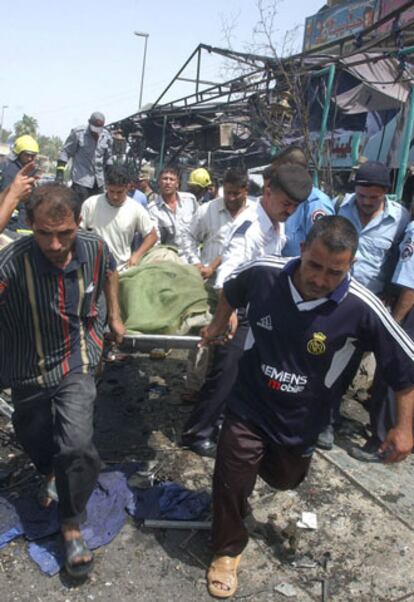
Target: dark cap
{"x":294,"y":180}
{"x":96,"y":122}
{"x":373,"y":173}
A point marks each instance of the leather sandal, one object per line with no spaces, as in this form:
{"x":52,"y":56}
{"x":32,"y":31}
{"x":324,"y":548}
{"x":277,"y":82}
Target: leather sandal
{"x":75,"y":549}
{"x":223,"y":569}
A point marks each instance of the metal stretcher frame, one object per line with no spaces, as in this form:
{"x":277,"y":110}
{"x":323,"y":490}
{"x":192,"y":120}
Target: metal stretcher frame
{"x":146,"y":342}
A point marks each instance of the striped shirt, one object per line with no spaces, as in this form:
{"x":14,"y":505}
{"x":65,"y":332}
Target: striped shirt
{"x":49,"y":319}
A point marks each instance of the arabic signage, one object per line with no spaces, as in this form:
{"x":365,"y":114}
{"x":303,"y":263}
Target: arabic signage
{"x":341,"y":150}
{"x":340,"y":21}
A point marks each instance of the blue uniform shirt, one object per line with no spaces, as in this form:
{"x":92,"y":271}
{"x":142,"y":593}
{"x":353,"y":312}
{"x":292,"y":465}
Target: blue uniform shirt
{"x":378,"y":243}
{"x":404,"y":272}
{"x":139,"y":197}
{"x":299,"y":223}
{"x":296,"y":351}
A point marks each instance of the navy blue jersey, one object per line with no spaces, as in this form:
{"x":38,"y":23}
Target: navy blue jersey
{"x":297,"y":351}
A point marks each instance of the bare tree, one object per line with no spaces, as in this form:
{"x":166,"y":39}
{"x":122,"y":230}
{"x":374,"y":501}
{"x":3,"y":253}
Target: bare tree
{"x":288,"y":80}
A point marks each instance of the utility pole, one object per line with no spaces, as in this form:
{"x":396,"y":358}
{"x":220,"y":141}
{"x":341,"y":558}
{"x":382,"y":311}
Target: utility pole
{"x":141,"y":34}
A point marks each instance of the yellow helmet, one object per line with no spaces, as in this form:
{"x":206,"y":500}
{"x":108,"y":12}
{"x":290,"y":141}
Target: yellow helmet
{"x":200,"y":177}
{"x":25,"y":144}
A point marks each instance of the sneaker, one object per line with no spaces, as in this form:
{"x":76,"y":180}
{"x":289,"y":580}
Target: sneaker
{"x":326,"y":438}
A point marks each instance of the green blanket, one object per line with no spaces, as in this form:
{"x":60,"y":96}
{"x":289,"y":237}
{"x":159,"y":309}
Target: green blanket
{"x":160,"y":298}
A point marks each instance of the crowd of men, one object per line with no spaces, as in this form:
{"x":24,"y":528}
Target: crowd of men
{"x":290,"y":329}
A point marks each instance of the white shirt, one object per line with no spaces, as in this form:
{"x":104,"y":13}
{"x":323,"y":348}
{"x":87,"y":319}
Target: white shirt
{"x":172,"y":225}
{"x":116,"y":225}
{"x":211,"y":227}
{"x":254,"y":237}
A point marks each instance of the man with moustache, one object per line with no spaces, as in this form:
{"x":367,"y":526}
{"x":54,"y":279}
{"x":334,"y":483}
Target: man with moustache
{"x":306,"y":318}
{"x":51,"y":339}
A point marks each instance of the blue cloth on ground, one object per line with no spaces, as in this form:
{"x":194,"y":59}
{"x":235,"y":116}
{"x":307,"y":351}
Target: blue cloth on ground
{"x":106,"y":515}
{"x":105,"y":518}
{"x":10,"y":525}
{"x":170,"y":501}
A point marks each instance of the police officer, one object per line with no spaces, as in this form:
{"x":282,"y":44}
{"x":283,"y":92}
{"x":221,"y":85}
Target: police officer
{"x":90,"y":148}
{"x":305,"y":317}
{"x":380,"y":223}
{"x":316,"y":205}
{"x":259,"y":232}
{"x":382,"y":406}
{"x":25,"y":150}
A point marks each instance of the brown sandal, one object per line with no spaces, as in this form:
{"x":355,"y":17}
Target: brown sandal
{"x":223,"y":569}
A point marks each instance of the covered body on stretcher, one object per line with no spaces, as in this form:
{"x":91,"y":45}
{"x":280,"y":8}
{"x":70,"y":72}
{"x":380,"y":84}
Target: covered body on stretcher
{"x":164,"y":302}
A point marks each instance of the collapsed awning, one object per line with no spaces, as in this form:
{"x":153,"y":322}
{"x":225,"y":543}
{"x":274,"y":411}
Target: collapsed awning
{"x":383,"y":84}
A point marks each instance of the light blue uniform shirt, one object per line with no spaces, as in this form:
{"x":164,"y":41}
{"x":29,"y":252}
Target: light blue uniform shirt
{"x":404,"y":272}
{"x":139,"y":197}
{"x":299,"y":223}
{"x":378,"y":240}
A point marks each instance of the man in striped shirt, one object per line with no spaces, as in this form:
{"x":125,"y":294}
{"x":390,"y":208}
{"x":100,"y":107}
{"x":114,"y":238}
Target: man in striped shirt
{"x":51,"y":336}
{"x":307,"y":319}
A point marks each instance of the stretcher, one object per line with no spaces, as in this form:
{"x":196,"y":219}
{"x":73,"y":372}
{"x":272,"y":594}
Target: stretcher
{"x":146,"y":342}
{"x":163,"y":295}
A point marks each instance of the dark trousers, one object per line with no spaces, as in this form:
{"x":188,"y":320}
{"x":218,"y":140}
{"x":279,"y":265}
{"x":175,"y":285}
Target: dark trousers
{"x":208,"y":411}
{"x":243,"y":453}
{"x":84,"y":193}
{"x":341,"y":387}
{"x":382,"y":406}
{"x":55,"y":427}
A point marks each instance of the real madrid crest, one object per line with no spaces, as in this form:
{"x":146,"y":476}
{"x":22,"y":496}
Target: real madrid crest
{"x":316,"y":346}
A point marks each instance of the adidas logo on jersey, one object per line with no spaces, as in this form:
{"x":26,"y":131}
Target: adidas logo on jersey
{"x":265,"y":322}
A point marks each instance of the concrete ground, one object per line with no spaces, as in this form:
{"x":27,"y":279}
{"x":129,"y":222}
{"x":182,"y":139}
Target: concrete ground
{"x":362,"y":550}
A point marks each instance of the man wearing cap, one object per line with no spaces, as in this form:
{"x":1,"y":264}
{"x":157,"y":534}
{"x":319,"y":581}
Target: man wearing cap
{"x":90,"y":148}
{"x":25,"y":150}
{"x":304,"y":316}
{"x":259,"y":232}
{"x":264,"y":233}
{"x":316,"y":205}
{"x":380,"y":223}
{"x":146,"y":174}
